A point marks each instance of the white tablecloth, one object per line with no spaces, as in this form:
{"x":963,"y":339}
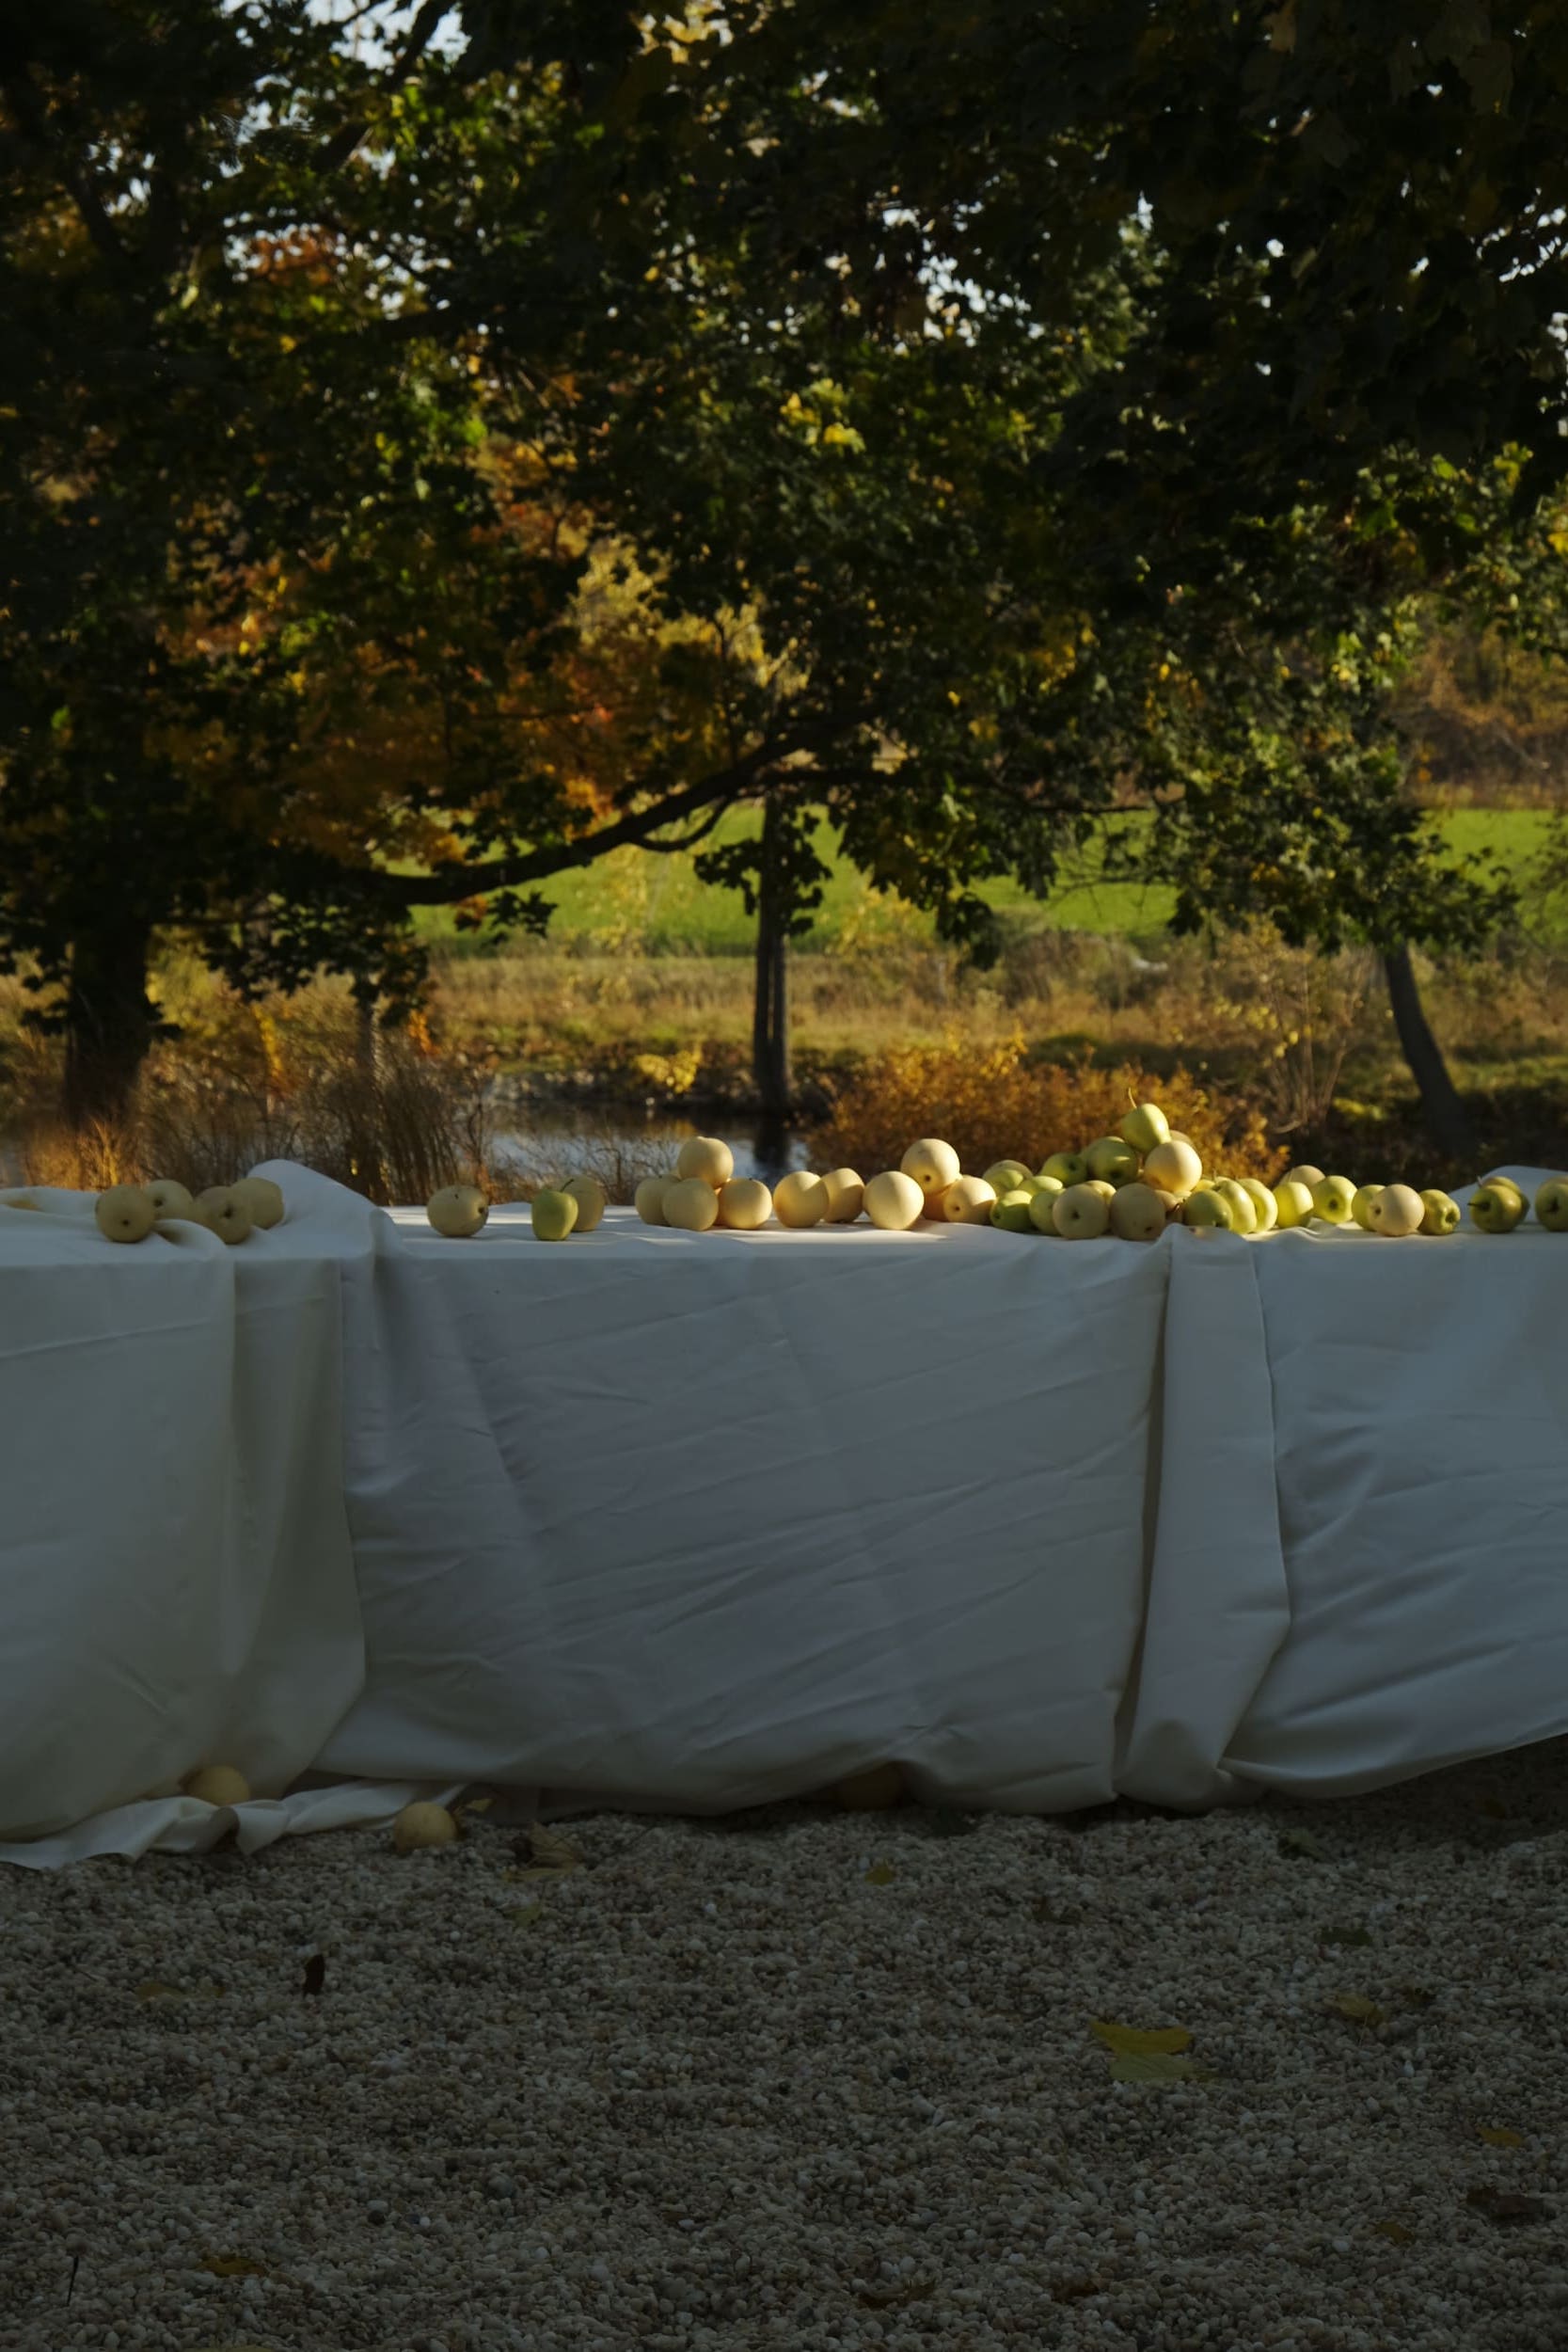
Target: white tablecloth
{"x":658,"y":1518}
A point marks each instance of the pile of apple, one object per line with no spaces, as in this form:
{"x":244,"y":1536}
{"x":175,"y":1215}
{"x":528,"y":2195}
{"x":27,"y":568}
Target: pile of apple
{"x":232,"y":1212}
{"x":704,"y":1192}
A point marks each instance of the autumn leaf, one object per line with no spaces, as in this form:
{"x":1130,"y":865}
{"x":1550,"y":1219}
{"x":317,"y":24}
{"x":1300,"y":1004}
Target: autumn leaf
{"x":232,"y":2266}
{"x":1395,"y":2232}
{"x":549,"y":1852}
{"x":1495,"y":2136}
{"x":1301,"y":1841}
{"x":315,"y":1974}
{"x":881,"y":1874}
{"x":1137,"y":2042}
{"x":524,"y":1914}
{"x":1154,"y":2066}
{"x":1507,"y":2204}
{"x":1357,"y":2009}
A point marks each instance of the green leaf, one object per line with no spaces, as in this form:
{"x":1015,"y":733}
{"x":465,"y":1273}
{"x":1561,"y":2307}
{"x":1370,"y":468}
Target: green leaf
{"x":1345,"y":1937}
{"x":1154,"y":2067}
{"x":1359,"y":2010}
{"x":1139,"y":2041}
{"x":881,"y":1874}
{"x":1301,"y":1841}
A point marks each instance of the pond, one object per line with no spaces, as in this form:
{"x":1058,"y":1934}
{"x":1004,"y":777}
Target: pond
{"x":562,"y":1141}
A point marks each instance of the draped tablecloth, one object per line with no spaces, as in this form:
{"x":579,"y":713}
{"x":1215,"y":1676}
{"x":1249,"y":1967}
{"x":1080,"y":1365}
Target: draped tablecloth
{"x":654,"y":1519}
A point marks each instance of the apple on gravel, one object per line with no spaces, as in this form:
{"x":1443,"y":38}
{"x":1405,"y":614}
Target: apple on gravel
{"x":1137,"y":1212}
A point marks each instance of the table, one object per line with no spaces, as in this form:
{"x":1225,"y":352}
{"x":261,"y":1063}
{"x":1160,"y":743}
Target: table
{"x":698,"y":1521}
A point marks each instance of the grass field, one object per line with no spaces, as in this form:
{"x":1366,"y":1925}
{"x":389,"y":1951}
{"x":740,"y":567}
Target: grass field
{"x":656,"y":905}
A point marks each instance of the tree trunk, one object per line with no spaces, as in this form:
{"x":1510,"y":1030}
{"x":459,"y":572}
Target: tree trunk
{"x":770,"y":1068}
{"x":1446,"y":1115}
{"x":108,"y":1023}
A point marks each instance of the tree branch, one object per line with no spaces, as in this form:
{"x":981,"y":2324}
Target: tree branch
{"x":340,"y":146}
{"x":27,"y":105}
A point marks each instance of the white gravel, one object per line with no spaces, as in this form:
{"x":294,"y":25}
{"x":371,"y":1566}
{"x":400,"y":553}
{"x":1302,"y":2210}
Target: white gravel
{"x":722,"y":2089}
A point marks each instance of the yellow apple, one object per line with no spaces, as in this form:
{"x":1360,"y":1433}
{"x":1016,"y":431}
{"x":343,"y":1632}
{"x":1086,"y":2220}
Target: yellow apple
{"x":967,"y":1201}
{"x":1009,"y":1213}
{"x":648,"y":1199}
{"x":1109,"y":1158}
{"x":1398,"y":1210}
{"x":1331,"y":1200}
{"x":591,"y":1197}
{"x":1067,"y":1167}
{"x":1083,"y":1212}
{"x":217,"y":1784}
{"x":457,"y":1210}
{"x":125,"y":1212}
{"x":1042,"y":1202}
{"x":224,"y":1213}
{"x":845,"y":1196}
{"x":1361,"y":1207}
{"x":1137,"y":1212}
{"x":1551,"y":1204}
{"x":169,"y":1200}
{"x":1305,"y":1174}
{"x":1441,"y":1213}
{"x":554,"y":1214}
{"x":1292,"y":1201}
{"x":800,"y":1199}
{"x":893,"y":1202}
{"x":1145,"y":1127}
{"x":1244,"y":1209}
{"x":707,"y":1158}
{"x":1173,"y":1167}
{"x":691,"y":1204}
{"x":1263,"y":1200}
{"x":744,"y":1203}
{"x":1495,"y":1208}
{"x":932,"y":1164}
{"x":420,"y":1826}
{"x":1005,"y":1176}
{"x":1205,"y":1209}
{"x":263,"y":1197}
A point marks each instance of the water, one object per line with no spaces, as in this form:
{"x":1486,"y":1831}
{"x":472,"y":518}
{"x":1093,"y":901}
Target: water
{"x":564,"y":1141}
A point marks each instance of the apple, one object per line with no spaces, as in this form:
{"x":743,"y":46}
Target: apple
{"x":800,"y":1199}
{"x":1069,"y":1167}
{"x":1442,"y":1213}
{"x":1137,"y":1212}
{"x":1081,"y":1212}
{"x":1293,"y":1201}
{"x":125,"y":1212}
{"x":1098,"y":1183}
{"x":648,"y":1199}
{"x":555,"y":1214}
{"x":1492,"y":1210}
{"x":1203,"y":1210}
{"x":1305,"y":1174}
{"x":217,"y":1784}
{"x":263,"y":1197}
{"x":1042,"y":1206}
{"x":1009,"y":1213}
{"x":1331,"y":1200}
{"x":1244,"y":1209}
{"x":1263,"y":1200}
{"x":224,"y":1214}
{"x":1551,"y":1204}
{"x":420,"y":1826}
{"x":1005,"y":1176}
{"x":591,"y":1197}
{"x":893,"y":1201}
{"x":933,"y":1165}
{"x":967,"y":1201}
{"x":1361,"y":1207}
{"x":1109,"y":1158}
{"x":1145,"y":1127}
{"x":1398,"y":1210}
{"x":691,"y":1204}
{"x":457,"y":1210}
{"x":845,"y":1196}
{"x":169,"y":1199}
{"x":1173,"y":1167}
{"x":707,"y":1159}
{"x":744,"y":1203}
{"x":1169,"y":1202}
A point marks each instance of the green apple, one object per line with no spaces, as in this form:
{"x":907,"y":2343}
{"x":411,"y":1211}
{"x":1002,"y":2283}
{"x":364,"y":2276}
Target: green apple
{"x":554,"y":1214}
{"x":1005,"y":1176}
{"x":1442,"y":1213}
{"x":1292,"y":1201}
{"x":1205,"y":1209}
{"x":1263,"y":1200}
{"x":457,"y":1210}
{"x":1081,"y":1212}
{"x":1042,"y":1207}
{"x":1495,"y":1211}
{"x":934,"y":1165}
{"x":1398,"y":1210}
{"x":1069,"y":1167}
{"x":125,"y":1212}
{"x":1110,"y":1157}
{"x":1143,"y":1127}
{"x":1137,"y":1212}
{"x":1331,"y":1200}
{"x":1031,"y":1184}
{"x":591,"y":1197}
{"x":1551,"y":1204}
{"x":1173,"y":1167}
{"x":1361,"y":1207}
{"x":1010,"y":1214}
{"x":1305,"y":1174}
{"x":1244,"y":1209}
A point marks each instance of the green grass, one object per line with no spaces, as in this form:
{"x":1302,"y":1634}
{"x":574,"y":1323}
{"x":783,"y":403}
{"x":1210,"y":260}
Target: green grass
{"x":655,"y":904}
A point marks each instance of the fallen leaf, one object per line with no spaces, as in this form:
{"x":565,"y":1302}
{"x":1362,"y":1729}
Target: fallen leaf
{"x":1507,"y":2204}
{"x":1357,"y":2007}
{"x":881,"y":1874}
{"x":1395,"y":2232}
{"x":232,"y":2266}
{"x":1137,"y":2042}
{"x":1302,"y":1841}
{"x":549,"y":1852}
{"x":524,"y":1914}
{"x":315,"y":1974}
{"x":1074,"y":2288}
{"x":1345,"y":1937}
{"x":1495,"y":2136}
{"x":472,"y":1805}
{"x":1156,"y":2066}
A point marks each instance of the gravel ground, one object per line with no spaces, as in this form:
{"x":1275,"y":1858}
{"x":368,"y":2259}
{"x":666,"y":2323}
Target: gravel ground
{"x":805,"y":2078}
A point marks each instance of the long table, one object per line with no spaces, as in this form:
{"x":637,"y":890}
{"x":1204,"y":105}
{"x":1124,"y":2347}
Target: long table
{"x":665,"y":1520}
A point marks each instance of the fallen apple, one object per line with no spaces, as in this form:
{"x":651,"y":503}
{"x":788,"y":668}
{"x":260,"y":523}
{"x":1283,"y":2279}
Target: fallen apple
{"x":1081,"y":1212}
{"x":224,"y":1214}
{"x":1495,"y":1210}
{"x":707,"y":1159}
{"x":1009,"y":1212}
{"x":932,"y":1164}
{"x":554,"y":1214}
{"x":1205,"y":1211}
{"x":744,"y":1203}
{"x":893,"y":1202}
{"x":457,"y":1210}
{"x":1331,"y":1200}
{"x":1361,"y":1206}
{"x":1397,"y":1211}
{"x":125,"y":1212}
{"x":1442,"y":1213}
{"x":1173,"y":1167}
{"x":691,"y":1204}
{"x":592,"y":1199}
{"x":169,"y":1199}
{"x":1067,"y":1167}
{"x":800,"y":1199}
{"x":1005,"y":1176}
{"x":1108,"y":1157}
{"x":648,"y":1199}
{"x":420,"y":1826}
{"x":1145,"y":1127}
{"x":1292,"y":1201}
{"x":845,"y":1196}
{"x":1551,"y":1204}
{"x":967,"y":1201}
{"x":217,"y":1784}
{"x":1137,"y":1212}
{"x":263,"y":1197}
{"x":1263,"y":1200}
